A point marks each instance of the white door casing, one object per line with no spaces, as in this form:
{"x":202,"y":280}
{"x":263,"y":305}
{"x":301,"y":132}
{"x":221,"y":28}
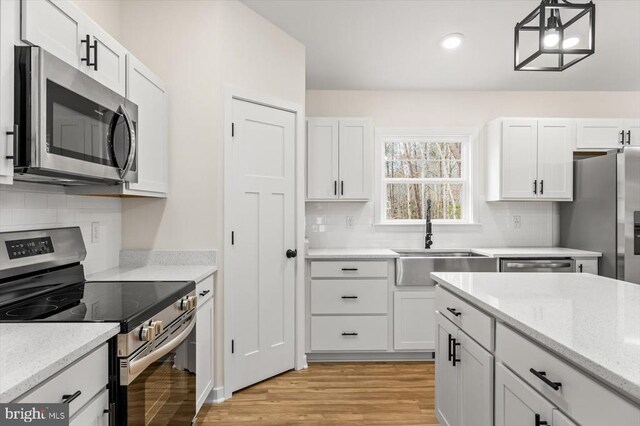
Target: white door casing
{"x":260,"y":277}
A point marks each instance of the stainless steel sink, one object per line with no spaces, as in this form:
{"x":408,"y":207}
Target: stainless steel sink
{"x":414,"y":266}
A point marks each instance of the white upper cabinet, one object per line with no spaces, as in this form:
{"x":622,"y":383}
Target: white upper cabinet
{"x":632,"y":128}
{"x":61,"y":28}
{"x":322,"y":158}
{"x":530,"y":159}
{"x":354,"y":162}
{"x":108,"y":58}
{"x":9,"y":28}
{"x":339,"y":161}
{"x":607,"y":133}
{"x":147,"y":91}
{"x":519,"y":151}
{"x":555,"y":158}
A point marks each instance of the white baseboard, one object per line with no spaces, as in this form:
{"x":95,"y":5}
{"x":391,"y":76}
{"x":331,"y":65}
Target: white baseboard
{"x":216,"y":396}
{"x":369,"y":357}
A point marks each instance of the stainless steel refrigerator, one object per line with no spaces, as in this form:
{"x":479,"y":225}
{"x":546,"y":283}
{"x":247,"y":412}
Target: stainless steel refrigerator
{"x":605,"y":213}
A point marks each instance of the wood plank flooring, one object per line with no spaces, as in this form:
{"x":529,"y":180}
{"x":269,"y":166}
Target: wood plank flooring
{"x":384,"y":393}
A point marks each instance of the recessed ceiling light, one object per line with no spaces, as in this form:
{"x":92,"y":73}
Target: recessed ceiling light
{"x":452,"y":41}
{"x":570,"y":42}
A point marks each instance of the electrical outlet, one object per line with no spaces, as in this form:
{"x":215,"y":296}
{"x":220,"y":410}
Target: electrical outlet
{"x":349,"y":222}
{"x":95,"y":232}
{"x":517,"y":221}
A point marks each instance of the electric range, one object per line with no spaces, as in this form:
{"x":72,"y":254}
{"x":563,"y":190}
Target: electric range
{"x":42,"y":279}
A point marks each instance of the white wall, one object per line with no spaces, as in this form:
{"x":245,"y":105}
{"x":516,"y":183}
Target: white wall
{"x":25,"y":206}
{"x":326,"y":222}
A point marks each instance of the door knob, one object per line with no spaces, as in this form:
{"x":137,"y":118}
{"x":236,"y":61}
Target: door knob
{"x":292,"y":253}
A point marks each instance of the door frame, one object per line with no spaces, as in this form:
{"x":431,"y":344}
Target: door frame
{"x":231,"y":94}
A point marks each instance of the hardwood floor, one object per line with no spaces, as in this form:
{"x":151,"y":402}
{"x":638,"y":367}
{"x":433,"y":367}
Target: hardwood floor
{"x":389,"y":393}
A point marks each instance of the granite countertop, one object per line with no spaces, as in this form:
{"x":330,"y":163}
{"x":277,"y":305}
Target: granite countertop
{"x":534,"y":252}
{"x":591,"y":321}
{"x":51,"y":347}
{"x":155,"y":273}
{"x":384,"y":253}
{"x":351,"y":253}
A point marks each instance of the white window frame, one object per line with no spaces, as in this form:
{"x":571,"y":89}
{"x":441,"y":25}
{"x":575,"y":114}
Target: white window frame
{"x":467,"y":135}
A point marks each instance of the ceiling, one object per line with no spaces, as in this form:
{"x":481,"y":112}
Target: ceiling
{"x":394,"y":44}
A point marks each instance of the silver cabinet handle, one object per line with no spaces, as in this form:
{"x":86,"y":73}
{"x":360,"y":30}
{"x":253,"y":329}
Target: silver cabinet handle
{"x":522,"y":265}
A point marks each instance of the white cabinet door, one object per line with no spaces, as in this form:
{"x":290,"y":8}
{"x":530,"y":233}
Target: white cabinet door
{"x":559,"y":419}
{"x":95,"y":413}
{"x":108,"y":58}
{"x":322,"y":158}
{"x":555,"y":159}
{"x":475,"y":384}
{"x":354,"y":160}
{"x":519,"y":153}
{"x":204,"y":352}
{"x":517,"y":404}
{"x":9,"y":25}
{"x":446,"y":373}
{"x":599,"y":133}
{"x":414,"y":320}
{"x":147,"y":91}
{"x":632,"y":132}
{"x":57,"y":26}
{"x":587,"y":266}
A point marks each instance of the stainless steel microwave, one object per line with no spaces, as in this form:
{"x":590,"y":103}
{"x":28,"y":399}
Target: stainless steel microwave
{"x":70,"y":129}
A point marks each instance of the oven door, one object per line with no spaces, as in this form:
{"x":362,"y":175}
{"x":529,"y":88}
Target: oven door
{"x":158,"y":382}
{"x":76,"y":127}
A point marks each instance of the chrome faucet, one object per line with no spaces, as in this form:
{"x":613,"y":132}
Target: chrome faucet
{"x":427,"y":238}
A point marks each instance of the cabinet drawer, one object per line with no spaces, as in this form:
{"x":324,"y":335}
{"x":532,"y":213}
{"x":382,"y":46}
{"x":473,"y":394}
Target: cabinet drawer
{"x":204,"y":290}
{"x":349,"y":296}
{"x":95,"y":413}
{"x":579,"y":396}
{"x":349,"y":269}
{"x":475,"y":323}
{"x":89,"y":376}
{"x":347,"y":333}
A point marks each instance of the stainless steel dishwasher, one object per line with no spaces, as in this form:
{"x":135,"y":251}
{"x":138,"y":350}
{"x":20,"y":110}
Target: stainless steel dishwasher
{"x":537,"y":265}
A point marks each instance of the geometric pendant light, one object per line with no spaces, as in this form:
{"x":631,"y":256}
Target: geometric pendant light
{"x":554,"y":36}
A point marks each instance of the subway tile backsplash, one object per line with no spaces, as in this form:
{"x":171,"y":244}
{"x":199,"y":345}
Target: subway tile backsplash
{"x":24,"y":207}
{"x":326,"y":226}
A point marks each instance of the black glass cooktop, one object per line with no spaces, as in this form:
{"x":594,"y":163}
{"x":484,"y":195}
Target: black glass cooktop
{"x":129,"y":303}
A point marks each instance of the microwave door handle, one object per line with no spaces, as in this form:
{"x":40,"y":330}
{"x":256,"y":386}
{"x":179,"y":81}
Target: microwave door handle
{"x":132,"y":148}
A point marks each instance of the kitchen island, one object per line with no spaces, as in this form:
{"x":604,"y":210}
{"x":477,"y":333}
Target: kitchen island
{"x":564,"y":346}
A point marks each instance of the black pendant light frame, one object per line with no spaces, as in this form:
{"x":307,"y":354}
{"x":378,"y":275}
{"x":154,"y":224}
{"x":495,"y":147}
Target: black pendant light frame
{"x":552,"y":9}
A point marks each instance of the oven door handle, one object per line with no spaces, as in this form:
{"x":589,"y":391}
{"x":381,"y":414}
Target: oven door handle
{"x":138,"y":366}
{"x":132,"y":146}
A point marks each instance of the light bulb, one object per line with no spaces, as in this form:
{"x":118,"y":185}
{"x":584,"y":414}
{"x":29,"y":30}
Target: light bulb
{"x":552,"y":38}
{"x":451,"y":41}
{"x":570,"y":42}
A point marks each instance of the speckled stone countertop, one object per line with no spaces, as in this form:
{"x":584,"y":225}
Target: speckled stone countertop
{"x":155,"y":273}
{"x":591,"y":321}
{"x":30,"y":353}
{"x":352,"y":253}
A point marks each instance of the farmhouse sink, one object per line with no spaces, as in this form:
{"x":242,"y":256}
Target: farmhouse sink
{"x":414,"y":266}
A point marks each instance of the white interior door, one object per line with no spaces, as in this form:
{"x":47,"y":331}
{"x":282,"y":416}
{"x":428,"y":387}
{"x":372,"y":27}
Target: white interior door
{"x":261,"y":277}
{"x":555,"y":159}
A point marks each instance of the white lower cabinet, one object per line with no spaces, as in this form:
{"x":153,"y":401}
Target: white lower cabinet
{"x":587,"y":266}
{"x":204,"y":341}
{"x":559,"y":419}
{"x":95,"y":413}
{"x":414,"y":320}
{"x":464,"y":378}
{"x":517,"y":404}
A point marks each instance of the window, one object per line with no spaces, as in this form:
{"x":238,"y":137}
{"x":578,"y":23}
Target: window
{"x":415,"y":168}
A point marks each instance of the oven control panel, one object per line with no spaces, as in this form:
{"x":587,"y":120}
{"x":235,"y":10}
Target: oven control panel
{"x":17,"y":249}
